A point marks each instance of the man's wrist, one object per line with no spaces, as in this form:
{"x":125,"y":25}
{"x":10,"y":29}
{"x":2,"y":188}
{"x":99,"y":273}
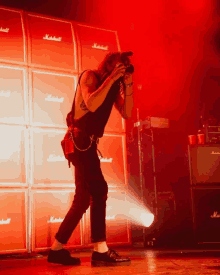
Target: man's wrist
{"x":129,"y":94}
{"x":129,"y":84}
{"x":129,"y":89}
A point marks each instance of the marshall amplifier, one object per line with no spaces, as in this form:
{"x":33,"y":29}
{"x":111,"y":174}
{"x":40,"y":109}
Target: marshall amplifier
{"x":206,"y":214}
{"x":212,"y":134}
{"x":204,"y":162}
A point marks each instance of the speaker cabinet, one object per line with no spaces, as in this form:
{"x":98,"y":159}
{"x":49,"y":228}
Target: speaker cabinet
{"x":13,"y":221}
{"x":13,"y":156}
{"x":49,"y":39}
{"x":49,"y":210}
{"x":204,"y":163}
{"x":51,"y":97}
{"x":13,"y":95}
{"x":206,"y":214}
{"x":117,"y":227}
{"x":94,"y":44}
{"x":49,"y":166}
{"x":12,"y":36}
{"x":113,"y":162}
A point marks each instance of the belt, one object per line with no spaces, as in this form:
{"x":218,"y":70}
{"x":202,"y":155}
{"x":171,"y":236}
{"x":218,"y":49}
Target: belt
{"x":94,"y":138}
{"x":75,"y":129}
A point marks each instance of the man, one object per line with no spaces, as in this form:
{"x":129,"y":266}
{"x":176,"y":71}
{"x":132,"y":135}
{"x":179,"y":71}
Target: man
{"x":96,"y":93}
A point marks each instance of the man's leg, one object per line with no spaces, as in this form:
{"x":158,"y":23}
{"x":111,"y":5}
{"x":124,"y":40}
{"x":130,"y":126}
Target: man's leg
{"x":98,"y":216}
{"x":79,"y":206}
{"x":102,"y":255}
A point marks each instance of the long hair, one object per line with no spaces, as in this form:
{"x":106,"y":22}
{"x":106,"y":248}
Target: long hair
{"x":102,"y":71}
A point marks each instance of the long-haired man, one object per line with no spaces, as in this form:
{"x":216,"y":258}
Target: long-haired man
{"x":97,"y":92}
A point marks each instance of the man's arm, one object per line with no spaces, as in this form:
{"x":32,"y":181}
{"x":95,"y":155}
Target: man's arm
{"x":124,"y":102}
{"x":93,"y":97}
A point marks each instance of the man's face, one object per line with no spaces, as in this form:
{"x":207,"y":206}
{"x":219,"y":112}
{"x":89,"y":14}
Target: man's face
{"x":112,"y":65}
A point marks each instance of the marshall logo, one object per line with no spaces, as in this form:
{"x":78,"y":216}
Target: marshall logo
{"x":215,"y":215}
{"x":52,"y":38}
{"x":110,"y":217}
{"x":215,"y":153}
{"x":4,"y":30}
{"x":55,"y":220}
{"x":105,"y":159}
{"x":109,"y":208}
{"x":5,"y":93}
{"x":54,"y":98}
{"x":54,"y":158}
{"x":100,"y":47}
{"x":8,"y":221}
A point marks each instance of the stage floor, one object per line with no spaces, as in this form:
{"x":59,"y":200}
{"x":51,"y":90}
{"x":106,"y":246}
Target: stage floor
{"x":143,"y":261}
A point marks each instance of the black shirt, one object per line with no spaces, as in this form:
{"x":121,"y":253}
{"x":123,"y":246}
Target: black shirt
{"x":93,"y":123}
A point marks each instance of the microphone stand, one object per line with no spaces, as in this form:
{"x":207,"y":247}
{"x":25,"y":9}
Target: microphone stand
{"x":140,"y":153}
{"x":141,"y":160}
{"x":154,"y":172}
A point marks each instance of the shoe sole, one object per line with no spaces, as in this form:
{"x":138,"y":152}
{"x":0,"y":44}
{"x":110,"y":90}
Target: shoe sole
{"x":53,"y":262}
{"x":103,"y":263}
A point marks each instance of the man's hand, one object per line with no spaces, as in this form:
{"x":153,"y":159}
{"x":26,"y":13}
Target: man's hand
{"x":118,"y":71}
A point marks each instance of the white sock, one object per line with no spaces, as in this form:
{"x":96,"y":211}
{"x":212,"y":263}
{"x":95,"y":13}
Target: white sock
{"x":56,"y":245}
{"x":100,"y":247}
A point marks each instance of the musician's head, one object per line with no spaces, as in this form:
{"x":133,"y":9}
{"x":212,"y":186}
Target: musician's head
{"x":109,"y":62}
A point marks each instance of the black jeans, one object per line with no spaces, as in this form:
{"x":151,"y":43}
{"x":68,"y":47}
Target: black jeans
{"x":91,"y":190}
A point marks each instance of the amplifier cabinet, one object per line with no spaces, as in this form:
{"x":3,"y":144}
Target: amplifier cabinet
{"x":51,"y":95}
{"x":48,"y":164}
{"x":94,"y":44}
{"x":113,"y":160}
{"x":115,"y":124}
{"x":13,"y":95}
{"x":51,"y":43}
{"x":12,"y":36}
{"x":50,"y":168}
{"x":49,"y":210}
{"x":204,"y":163}
{"x":212,"y":134}
{"x":13,"y":221}
{"x":206,"y":214}
{"x":117,"y":225}
{"x":14,"y":156}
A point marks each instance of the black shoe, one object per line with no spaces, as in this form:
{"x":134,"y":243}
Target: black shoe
{"x":110,"y":257}
{"x":62,"y":256}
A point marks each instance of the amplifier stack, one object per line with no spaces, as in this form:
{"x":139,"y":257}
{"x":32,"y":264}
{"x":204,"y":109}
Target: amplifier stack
{"x":41,"y":59}
{"x":212,"y":134}
{"x":204,"y":163}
